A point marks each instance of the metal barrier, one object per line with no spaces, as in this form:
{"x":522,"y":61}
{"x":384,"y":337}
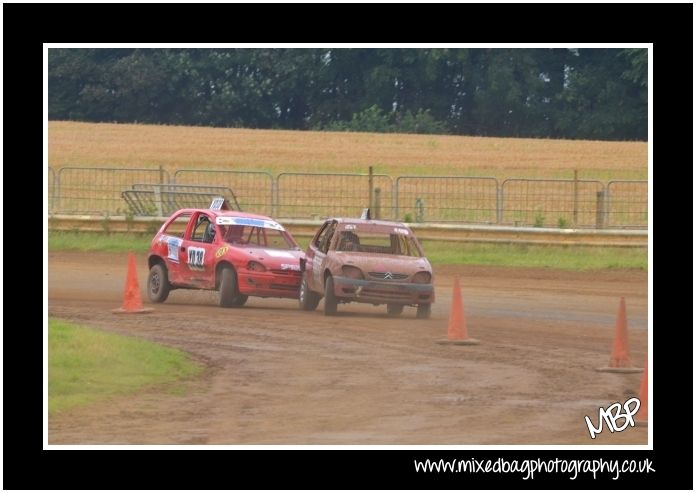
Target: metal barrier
{"x":447,"y":198}
{"x":98,"y":190}
{"x":627,"y":204}
{"x":305,"y":195}
{"x":153,"y":199}
{"x":253,"y":189}
{"x":551,"y":203}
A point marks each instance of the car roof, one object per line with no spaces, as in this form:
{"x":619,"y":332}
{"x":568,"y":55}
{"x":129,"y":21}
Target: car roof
{"x":248,"y":215}
{"x":351,"y":220}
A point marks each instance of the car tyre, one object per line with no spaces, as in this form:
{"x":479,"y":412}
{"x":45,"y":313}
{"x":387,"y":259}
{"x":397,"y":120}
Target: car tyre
{"x":158,"y":284}
{"x":308,"y":299}
{"x":394,"y":309}
{"x":423,"y":310}
{"x":229,"y":289}
{"x":330,"y":301}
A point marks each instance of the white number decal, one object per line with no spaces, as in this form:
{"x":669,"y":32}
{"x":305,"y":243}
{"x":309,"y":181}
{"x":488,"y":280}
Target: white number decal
{"x":196,"y":257}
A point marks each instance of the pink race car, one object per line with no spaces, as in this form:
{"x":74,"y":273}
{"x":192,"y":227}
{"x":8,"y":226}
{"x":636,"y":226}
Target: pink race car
{"x":365,"y":261}
{"x":235,"y":253}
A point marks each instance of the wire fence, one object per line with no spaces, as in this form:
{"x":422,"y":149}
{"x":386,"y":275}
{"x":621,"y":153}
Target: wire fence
{"x":51,"y":188}
{"x":98,"y":190}
{"x":551,"y":203}
{"x":447,"y":198}
{"x":253,"y":189}
{"x":627,"y":204}
{"x":461,"y":199}
{"x":331,"y":194}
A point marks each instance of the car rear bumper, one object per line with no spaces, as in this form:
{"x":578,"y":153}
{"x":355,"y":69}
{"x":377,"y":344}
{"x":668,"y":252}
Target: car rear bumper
{"x":406,"y":293}
{"x":268,"y":284}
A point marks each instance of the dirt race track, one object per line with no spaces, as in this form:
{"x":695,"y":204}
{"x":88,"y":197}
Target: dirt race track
{"x":277,"y":375}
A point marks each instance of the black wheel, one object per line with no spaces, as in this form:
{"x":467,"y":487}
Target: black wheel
{"x":423,"y":311}
{"x":158,"y":284}
{"x":394,"y":310}
{"x":330,"y":302}
{"x":229,"y":290}
{"x":309,"y":300}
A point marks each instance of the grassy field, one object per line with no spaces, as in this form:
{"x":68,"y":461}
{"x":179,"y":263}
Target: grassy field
{"x":275,"y":151}
{"x":439,"y":253}
{"x":85,"y":365}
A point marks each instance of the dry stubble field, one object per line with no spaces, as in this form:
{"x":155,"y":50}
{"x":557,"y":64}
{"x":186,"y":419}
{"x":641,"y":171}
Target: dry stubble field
{"x":276,"y":151}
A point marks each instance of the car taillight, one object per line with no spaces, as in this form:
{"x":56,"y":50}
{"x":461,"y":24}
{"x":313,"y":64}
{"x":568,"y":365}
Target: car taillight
{"x":352,"y":272}
{"x":422,"y":277}
{"x":255,"y":266}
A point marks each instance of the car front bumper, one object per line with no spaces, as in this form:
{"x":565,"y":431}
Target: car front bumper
{"x":405,"y":293}
{"x":268,"y":284}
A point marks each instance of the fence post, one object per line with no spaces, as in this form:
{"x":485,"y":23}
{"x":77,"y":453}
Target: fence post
{"x":575,"y":197}
{"x":274,"y":196}
{"x":498,"y":203}
{"x":371,"y":186}
{"x":395,"y":195}
{"x":600,"y":210}
{"x":420,"y":210}
{"x":378,"y":203}
{"x":158,"y":199}
{"x":56,"y":191}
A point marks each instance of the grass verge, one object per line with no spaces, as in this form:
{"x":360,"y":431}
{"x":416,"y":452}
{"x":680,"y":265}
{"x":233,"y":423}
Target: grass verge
{"x":85,"y":365}
{"x":556,"y":257}
{"x":98,"y":242}
{"x":438,"y":252}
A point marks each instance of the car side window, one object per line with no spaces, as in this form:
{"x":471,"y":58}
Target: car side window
{"x":324,"y":245}
{"x":178,"y":226}
{"x":202,"y":227}
{"x":321,"y":236}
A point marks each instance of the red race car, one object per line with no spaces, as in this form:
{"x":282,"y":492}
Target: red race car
{"x":236,"y":253}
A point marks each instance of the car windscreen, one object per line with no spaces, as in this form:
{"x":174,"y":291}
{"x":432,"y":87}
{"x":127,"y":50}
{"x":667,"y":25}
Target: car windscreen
{"x":394,"y":241}
{"x":257,"y":236}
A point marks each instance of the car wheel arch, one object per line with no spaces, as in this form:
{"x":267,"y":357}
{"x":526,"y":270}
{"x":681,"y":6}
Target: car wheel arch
{"x":154,"y":260}
{"x":218,"y":271}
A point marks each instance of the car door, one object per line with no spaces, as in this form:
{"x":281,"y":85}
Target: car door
{"x":169,"y":245}
{"x":197,"y":255}
{"x":316,"y":259}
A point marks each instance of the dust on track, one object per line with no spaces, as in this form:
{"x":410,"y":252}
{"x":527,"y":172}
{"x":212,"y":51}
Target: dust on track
{"x":277,"y":375}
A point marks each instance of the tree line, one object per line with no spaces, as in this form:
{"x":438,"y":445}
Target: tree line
{"x":592,"y":93}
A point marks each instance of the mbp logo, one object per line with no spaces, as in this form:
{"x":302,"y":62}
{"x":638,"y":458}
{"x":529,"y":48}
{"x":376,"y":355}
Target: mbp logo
{"x":613,"y":414}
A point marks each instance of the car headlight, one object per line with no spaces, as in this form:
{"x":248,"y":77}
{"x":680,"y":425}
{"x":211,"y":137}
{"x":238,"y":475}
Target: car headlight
{"x":422,"y":277}
{"x":255,"y":266}
{"x":352,"y":272}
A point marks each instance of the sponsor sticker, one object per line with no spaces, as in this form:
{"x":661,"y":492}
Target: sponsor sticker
{"x":247,"y":221}
{"x":173,"y":245}
{"x":221,"y":251}
{"x":279,"y":254}
{"x":289,"y":267}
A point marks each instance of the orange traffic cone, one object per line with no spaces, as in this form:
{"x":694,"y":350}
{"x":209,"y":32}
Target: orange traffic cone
{"x":620,"y":361}
{"x":456,"y":330}
{"x":642,"y":416}
{"x":132,"y":303}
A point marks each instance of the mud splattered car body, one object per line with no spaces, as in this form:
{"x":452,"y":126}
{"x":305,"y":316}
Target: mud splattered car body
{"x":366,"y":261}
{"x":239,"y":254}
